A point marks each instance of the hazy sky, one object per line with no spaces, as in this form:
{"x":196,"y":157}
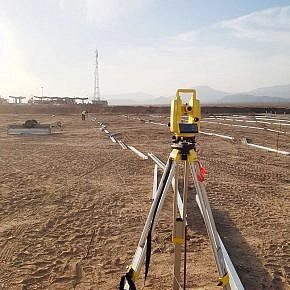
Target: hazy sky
{"x":151,"y":46}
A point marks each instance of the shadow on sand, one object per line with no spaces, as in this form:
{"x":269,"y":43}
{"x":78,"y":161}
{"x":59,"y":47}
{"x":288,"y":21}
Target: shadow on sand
{"x":250,"y":269}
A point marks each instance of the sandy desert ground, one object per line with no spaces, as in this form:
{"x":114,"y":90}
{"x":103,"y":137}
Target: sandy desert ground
{"x":73,"y":205}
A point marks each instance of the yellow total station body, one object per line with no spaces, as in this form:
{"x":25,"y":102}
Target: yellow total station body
{"x":185,"y":127}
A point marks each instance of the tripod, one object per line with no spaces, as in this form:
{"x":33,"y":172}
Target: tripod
{"x":184,"y":151}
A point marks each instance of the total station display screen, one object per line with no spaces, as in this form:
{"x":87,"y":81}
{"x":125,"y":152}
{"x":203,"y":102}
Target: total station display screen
{"x":188,"y":128}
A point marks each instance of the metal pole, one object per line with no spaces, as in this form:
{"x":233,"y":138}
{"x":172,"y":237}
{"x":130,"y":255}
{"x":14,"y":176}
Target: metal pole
{"x":97,"y":96}
{"x":277,"y":143}
{"x":185,"y":256}
{"x":98,"y":79}
{"x":177,"y":233}
{"x":185,"y":191}
{"x":155,"y":181}
{"x":95,"y":79}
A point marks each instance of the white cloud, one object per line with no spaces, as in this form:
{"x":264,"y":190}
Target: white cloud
{"x":236,"y":55}
{"x":269,"y":25}
{"x":103,"y":12}
{"x":228,"y":56}
{"x":186,"y":37}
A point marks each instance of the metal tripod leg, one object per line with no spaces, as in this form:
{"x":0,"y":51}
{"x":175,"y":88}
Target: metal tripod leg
{"x":153,"y":215}
{"x":185,"y":191}
{"x":179,"y":228}
{"x":177,"y":236}
{"x":209,"y":223}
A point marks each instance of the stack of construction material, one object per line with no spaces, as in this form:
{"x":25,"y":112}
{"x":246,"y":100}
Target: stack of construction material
{"x":29,"y":127}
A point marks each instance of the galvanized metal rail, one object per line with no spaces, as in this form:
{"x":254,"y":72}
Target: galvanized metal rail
{"x":114,"y":138}
{"x":265,"y":148}
{"x":245,"y":126}
{"x":232,"y":138}
{"x":139,"y":153}
{"x":218,"y":135}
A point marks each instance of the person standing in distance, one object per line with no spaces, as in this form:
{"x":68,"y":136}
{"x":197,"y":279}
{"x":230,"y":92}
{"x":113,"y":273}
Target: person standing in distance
{"x":84,"y":115}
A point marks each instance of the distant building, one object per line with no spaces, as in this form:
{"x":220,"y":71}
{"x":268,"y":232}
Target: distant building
{"x":58,"y":100}
{"x":3,"y":101}
{"x":17,"y":100}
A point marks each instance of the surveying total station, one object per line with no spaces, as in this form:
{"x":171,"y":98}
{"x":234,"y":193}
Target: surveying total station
{"x":184,"y":124}
{"x":178,"y":110}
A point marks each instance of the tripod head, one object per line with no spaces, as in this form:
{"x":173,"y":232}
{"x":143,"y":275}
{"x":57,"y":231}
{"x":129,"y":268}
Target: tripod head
{"x":185,"y":118}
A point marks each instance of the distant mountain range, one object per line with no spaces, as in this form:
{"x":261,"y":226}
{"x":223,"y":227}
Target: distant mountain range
{"x":268,"y":95}
{"x":275,"y":91}
{"x":207,"y":95}
{"x":250,"y":99}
